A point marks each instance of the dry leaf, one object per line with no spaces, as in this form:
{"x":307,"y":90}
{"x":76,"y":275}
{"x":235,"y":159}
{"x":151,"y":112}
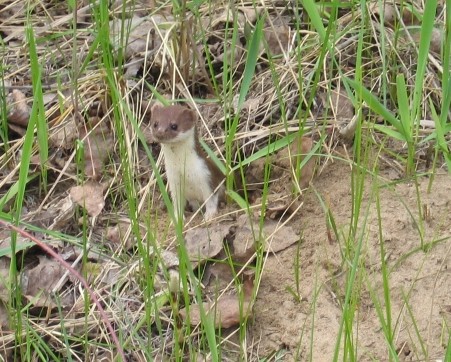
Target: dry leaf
{"x":118,"y":236}
{"x":21,"y":244}
{"x":130,"y":8}
{"x":218,"y":276}
{"x":250,"y":13}
{"x":278,"y":206}
{"x":391,"y":14}
{"x":10,"y":11}
{"x":299,"y":148}
{"x":273,"y":236}
{"x":89,"y":196}
{"x":64,"y":135}
{"x":112,"y":272}
{"x":169,"y":259}
{"x":143,"y":33}
{"x":19,"y":111}
{"x":277,"y":237}
{"x":56,"y":214}
{"x":4,"y":317}
{"x":66,"y":209}
{"x":436,"y":38}
{"x":251,"y":104}
{"x":227,"y":15}
{"x":203,"y":243}
{"x":72,"y":252}
{"x":244,"y":243}
{"x":5,"y":293}
{"x":218,"y":48}
{"x":277,"y":39}
{"x":227,"y":312}
{"x":337,"y":105}
{"x":38,"y":282}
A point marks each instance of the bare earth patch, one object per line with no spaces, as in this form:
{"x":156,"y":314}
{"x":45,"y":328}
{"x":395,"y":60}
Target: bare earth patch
{"x":420,"y":282}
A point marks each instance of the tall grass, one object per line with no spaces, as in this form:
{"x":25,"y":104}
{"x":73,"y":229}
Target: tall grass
{"x":401,"y":111}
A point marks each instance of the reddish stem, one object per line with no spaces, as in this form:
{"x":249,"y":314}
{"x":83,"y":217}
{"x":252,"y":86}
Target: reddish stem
{"x":75,"y":273}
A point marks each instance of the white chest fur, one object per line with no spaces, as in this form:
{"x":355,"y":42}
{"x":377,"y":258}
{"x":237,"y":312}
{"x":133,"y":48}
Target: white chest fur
{"x":189,"y":177}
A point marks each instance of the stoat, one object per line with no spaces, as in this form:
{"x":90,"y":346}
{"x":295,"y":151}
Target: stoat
{"x":191,"y":175}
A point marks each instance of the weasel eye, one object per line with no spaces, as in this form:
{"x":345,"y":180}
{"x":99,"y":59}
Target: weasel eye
{"x":155,"y":125}
{"x":174,"y":127}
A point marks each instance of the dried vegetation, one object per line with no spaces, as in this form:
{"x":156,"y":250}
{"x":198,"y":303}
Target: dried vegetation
{"x":95,"y":102}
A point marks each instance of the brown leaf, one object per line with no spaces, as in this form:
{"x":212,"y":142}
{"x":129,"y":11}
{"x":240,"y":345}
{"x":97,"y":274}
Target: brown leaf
{"x":169,"y":259}
{"x":38,"y":282}
{"x":436,"y":38}
{"x":273,"y":236}
{"x":337,"y":105}
{"x":277,"y":39}
{"x":218,"y":276}
{"x":244,"y":242}
{"x":118,"y":236}
{"x":66,"y":209}
{"x":137,"y":7}
{"x":56,"y":214}
{"x":19,"y":111}
{"x":142,"y":33}
{"x":21,"y":244}
{"x":64,"y":135}
{"x":5,"y":293}
{"x":298,"y":149}
{"x":203,"y":243}
{"x":255,"y":174}
{"x":278,"y":207}
{"x":4,"y":317}
{"x":71,"y":253}
{"x":89,"y":196}
{"x":250,"y":13}
{"x":226,"y":312}
{"x":391,"y":15}
{"x":277,"y":237}
{"x":112,"y":272}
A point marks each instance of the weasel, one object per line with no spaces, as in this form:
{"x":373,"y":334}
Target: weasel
{"x":191,"y":175}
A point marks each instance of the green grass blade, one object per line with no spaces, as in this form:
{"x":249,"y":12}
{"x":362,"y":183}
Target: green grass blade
{"x":213,"y":157}
{"x":446,"y":60}
{"x":13,"y":190}
{"x":423,"y":53}
{"x":406,"y":121}
{"x":317,"y":22}
{"x":38,"y":103}
{"x":251,"y":61}
{"x":440,"y":133}
{"x":376,"y":106}
{"x":389,"y":132}
{"x":403,"y":107}
{"x":269,"y":149}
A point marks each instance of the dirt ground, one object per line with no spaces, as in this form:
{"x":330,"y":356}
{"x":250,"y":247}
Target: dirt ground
{"x":420,"y":282}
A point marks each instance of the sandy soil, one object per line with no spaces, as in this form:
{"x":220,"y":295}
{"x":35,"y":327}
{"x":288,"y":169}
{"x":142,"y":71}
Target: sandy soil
{"x":420,"y":282}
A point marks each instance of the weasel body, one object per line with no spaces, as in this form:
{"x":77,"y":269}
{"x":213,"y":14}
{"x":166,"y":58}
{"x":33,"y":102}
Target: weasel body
{"x":191,"y":176}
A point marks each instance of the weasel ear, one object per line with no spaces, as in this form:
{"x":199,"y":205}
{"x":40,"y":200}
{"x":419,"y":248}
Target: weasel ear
{"x":155,"y":106}
{"x":193,"y":115}
{"x":190,"y":114}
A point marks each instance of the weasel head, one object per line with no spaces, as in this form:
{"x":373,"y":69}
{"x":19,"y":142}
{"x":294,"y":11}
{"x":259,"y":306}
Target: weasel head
{"x":172,"y":124}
